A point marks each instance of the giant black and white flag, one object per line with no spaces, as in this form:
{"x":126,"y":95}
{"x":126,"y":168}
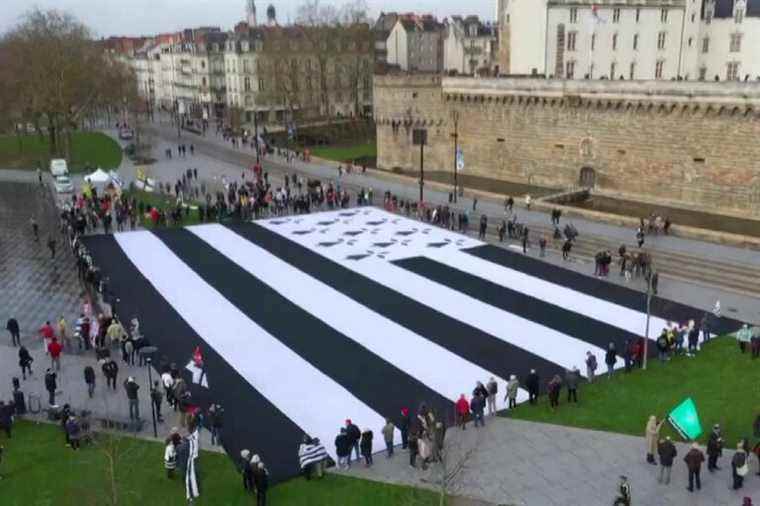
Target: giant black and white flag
{"x":305,"y":321}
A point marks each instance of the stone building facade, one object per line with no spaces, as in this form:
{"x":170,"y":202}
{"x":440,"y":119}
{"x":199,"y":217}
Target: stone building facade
{"x":683,"y":143}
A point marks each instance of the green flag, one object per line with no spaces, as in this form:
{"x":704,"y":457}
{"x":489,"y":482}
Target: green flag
{"x":685,"y":419}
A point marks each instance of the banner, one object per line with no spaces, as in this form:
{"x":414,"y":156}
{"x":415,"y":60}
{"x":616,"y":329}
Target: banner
{"x":685,"y":419}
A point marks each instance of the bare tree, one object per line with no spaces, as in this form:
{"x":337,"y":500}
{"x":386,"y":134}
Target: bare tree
{"x":60,"y":73}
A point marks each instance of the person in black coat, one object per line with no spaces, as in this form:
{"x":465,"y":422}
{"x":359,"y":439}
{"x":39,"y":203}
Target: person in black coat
{"x":246,"y":469}
{"x":110,"y":371}
{"x":366,"y":447}
{"x":532,"y":382}
{"x":51,"y":386}
{"x":12,"y":327}
{"x":25,"y":361}
{"x":404,"y":428}
{"x":261,"y":479}
{"x":354,"y":434}
{"x":89,"y":379}
{"x":343,"y":449}
{"x":6,"y":418}
{"x":610,"y":357}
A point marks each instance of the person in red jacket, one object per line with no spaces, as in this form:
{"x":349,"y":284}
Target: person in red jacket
{"x":47,"y":333}
{"x":54,"y":349}
{"x":463,"y":409}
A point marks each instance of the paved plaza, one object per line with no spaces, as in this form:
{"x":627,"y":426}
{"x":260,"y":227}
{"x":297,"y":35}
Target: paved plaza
{"x":520,"y":463}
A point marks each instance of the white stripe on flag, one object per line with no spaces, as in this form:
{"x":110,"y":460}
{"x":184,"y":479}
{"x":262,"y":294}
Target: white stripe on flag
{"x":556,"y":347}
{"x":282,"y":376}
{"x":380,"y":335}
{"x":559,"y":295}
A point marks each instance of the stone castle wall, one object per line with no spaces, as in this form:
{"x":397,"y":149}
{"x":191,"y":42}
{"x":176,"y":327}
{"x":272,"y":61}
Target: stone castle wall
{"x":678,"y":142}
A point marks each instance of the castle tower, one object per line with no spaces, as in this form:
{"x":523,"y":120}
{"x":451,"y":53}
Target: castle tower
{"x":250,"y":12}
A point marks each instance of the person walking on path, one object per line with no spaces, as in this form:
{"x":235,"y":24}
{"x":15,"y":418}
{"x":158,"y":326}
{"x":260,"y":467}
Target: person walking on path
{"x":63,"y":333}
{"x":168,"y":382}
{"x":667,"y":452}
{"x":477,"y":406}
{"x":25,"y":361}
{"x":12,"y":327}
{"x":591,"y":366}
{"x":572,"y":377}
{"x":387,"y":431}
{"x":714,"y":448}
{"x":110,"y":371}
{"x":51,"y":246}
{"x":610,"y":357}
{"x":354,"y":435}
{"x":624,"y":493}
{"x":553,"y":388}
{"x":694,"y":459}
{"x":73,"y":431}
{"x":51,"y":385}
{"x":54,"y":350}
{"x":512,"y":386}
{"x":462,"y":410}
{"x":131,"y":387}
{"x":35,"y":229}
{"x":739,"y":466}
{"x":532,"y":384}
{"x":652,"y":435}
{"x":157,"y":397}
{"x":89,"y":379}
{"x":493,"y":389}
{"x":366,"y":447}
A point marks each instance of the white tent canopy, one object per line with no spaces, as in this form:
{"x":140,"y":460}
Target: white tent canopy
{"x":99,"y":178}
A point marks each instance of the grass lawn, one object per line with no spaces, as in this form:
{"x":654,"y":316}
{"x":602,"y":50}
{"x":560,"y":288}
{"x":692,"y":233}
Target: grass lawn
{"x":722,"y":382}
{"x":342,"y":154}
{"x":88,"y":149}
{"x":39,"y":470}
{"x":161,"y":202}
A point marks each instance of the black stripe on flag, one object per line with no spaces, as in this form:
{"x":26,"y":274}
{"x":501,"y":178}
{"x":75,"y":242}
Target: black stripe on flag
{"x":533,"y":309}
{"x":468,"y":342}
{"x":621,"y":295}
{"x":251,"y":421}
{"x":379,"y":384}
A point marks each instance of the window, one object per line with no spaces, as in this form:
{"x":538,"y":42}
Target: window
{"x":632,"y":71}
{"x":571,"y":36}
{"x":658,"y":69}
{"x":247,"y":84}
{"x":203,"y":82}
{"x":612,"y":70}
{"x":732,"y":71}
{"x":638,"y":14}
{"x":708,"y":14}
{"x":635,"y":41}
{"x":736,"y":43}
{"x":664,"y":15}
{"x":591,"y":71}
{"x":616,"y":15}
{"x":614,"y":41}
{"x":261,"y":85}
{"x":203,"y":64}
{"x":738,"y":16}
{"x":706,"y":45}
{"x":693,"y":16}
{"x":570,"y":70}
{"x":593,"y":41}
{"x":702,"y":73}
{"x":574,"y":15}
{"x":661,"y":40}
{"x":691,"y":41}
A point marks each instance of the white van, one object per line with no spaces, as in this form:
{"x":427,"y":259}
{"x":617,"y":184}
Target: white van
{"x":59,"y":167}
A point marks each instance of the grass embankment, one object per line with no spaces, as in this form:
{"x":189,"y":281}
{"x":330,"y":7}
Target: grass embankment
{"x":88,"y":149}
{"x":722,"y":381}
{"x":38,"y":469}
{"x":345,"y":153}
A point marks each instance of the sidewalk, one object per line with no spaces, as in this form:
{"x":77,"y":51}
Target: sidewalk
{"x":520,"y":463}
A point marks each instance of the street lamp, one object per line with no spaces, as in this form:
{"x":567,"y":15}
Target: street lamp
{"x":149,"y":350}
{"x":455,"y":135}
{"x":419,"y":138}
{"x":649,"y":313}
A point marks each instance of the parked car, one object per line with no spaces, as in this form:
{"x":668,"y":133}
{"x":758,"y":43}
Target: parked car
{"x":126,"y":134}
{"x":63,"y":184}
{"x":59,"y":167}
